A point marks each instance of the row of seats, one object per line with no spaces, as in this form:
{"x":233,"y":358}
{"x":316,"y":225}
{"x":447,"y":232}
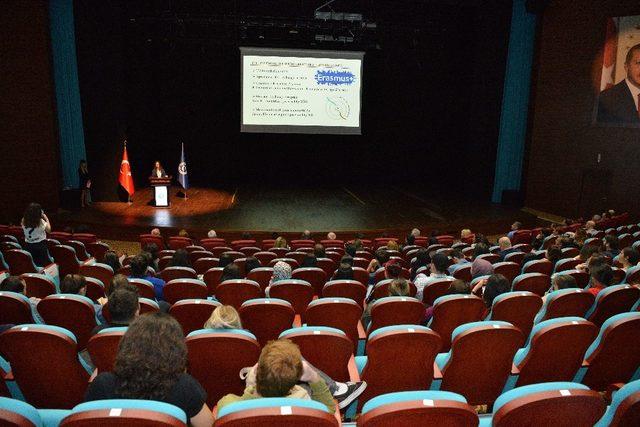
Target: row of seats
{"x":485,"y":359}
{"x":556,"y":403}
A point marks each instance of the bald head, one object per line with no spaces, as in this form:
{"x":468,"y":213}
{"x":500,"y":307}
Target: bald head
{"x":415,"y":232}
{"x":155,"y":232}
{"x":331,"y":236}
{"x":212,"y":234}
{"x":504,"y":243}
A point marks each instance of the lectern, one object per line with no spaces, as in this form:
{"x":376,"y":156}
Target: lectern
{"x":160,"y":191}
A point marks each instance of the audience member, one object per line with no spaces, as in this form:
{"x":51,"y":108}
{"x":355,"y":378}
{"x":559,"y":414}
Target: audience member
{"x":306,"y":235}
{"x":139,"y":270}
{"x":281,"y":271}
{"x":350,"y":249}
{"x":380,"y":258}
{"x":610,"y":246}
{"x":211,"y":234}
{"x":481,"y":267}
{"x":553,"y":254}
{"x":458,"y":261}
{"x":251,"y":263}
{"x":392,"y":245}
{"x":76,"y":284}
{"x":281,"y":242}
{"x":601,"y":276}
{"x":224,"y":260}
{"x":415,"y":233}
{"x":156,"y":232}
{"x":438,"y":271}
{"x":183,"y":233}
{"x":231,"y":272}
{"x":112,"y":260}
{"x":151,"y":364}
{"x":344,"y":272}
{"x":628,"y":258}
{"x":494,"y":285}
{"x":422,"y":259}
{"x":318,"y":251}
{"x":123,"y":306}
{"x":180,"y":258}
{"x":331,"y":236}
{"x":347,"y":259}
{"x":505,"y":247}
{"x":309,"y":260}
{"x":17,"y":284}
{"x":514,"y":227}
{"x":480,"y":248}
{"x":560,"y":281}
{"x":224,"y":317}
{"x":35,"y":226}
{"x":152,"y":249}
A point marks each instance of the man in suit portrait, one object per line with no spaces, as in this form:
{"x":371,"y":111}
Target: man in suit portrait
{"x":620,"y":103}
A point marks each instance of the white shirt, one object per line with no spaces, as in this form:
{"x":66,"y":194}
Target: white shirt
{"x":635,"y":91}
{"x":35,"y":235}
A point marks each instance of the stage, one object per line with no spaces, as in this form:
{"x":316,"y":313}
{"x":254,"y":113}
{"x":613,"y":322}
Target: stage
{"x":262,"y":211}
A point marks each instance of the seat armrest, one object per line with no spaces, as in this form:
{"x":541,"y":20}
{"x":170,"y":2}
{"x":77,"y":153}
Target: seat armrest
{"x":89,"y":261}
{"x":514,"y":370}
{"x":353,"y":370}
{"x":437,"y":373}
{"x":362,"y":334}
{"x":93,"y":375}
{"x":297,"y":321}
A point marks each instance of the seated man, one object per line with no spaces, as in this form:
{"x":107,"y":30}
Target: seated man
{"x":458,"y":261}
{"x":123,"y":307}
{"x":17,"y":285}
{"x":505,"y":247}
{"x":139,"y":265}
{"x":438,"y":268}
{"x":514,"y":227}
{"x":280,"y":368}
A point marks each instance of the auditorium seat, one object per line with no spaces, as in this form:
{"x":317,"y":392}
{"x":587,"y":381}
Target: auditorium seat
{"x":581,"y":277}
{"x":85,"y":238}
{"x":361,"y":262}
{"x":97,"y":249}
{"x":237,"y":244}
{"x":380,"y":275}
{"x":364,"y":254}
{"x":280,"y":252}
{"x":390,"y":311}
{"x":314,"y":275}
{"x":492,"y":258}
{"x":516,"y":257}
{"x":399,"y":358}
{"x":219,"y":250}
{"x":618,"y":275}
{"x":261,"y":275}
{"x":234,"y":255}
{"x":274,"y":411}
{"x":536,"y":283}
{"x":195,"y":248}
{"x":330,"y":267}
{"x":249,"y":250}
{"x":79,"y":248}
{"x":146,"y":306}
{"x":508,"y":269}
{"x":517,"y":308}
{"x":212,"y":242}
{"x":409,"y":408}
{"x":561,"y":404}
{"x":624,"y":409}
{"x":266,"y":318}
{"x":479,"y":362}
{"x":212,"y":278}
{"x":16,"y":413}
{"x":75,"y":313}
{"x":52,"y":376}
{"x":145,"y":288}
{"x":299,"y":293}
{"x":351,"y":289}
{"x":192,"y":313}
{"x":201,"y":265}
{"x":611,"y":358}
{"x":381,"y":289}
{"x":197,"y":255}
{"x":328,"y":349}
{"x":215,"y":358}
{"x":339,"y":313}
{"x":302,"y":243}
{"x":65,"y":257}
{"x":566,"y":264}
{"x":462,"y":273}
{"x":177,"y":242}
{"x":451,"y":311}
{"x":543,"y":266}
{"x":95,"y":289}
{"x":437,"y":288}
{"x":15,"y":309}
{"x":565,"y":303}
{"x":554,"y":351}
{"x":38,"y":285}
{"x":103,"y":348}
{"x":327,"y":243}
{"x":20,"y":262}
{"x":521,"y":236}
{"x":235,"y":292}
{"x":613,"y":300}
{"x":265,"y":257}
{"x":359,"y":274}
{"x":298,"y":256}
{"x":172,"y":273}
{"x":102,"y":272}
{"x":146,"y":239}
{"x":60,"y":236}
{"x":633,"y":275}
{"x":180,"y":289}
{"x":164,"y":262}
{"x":123,"y":412}
{"x":7,"y":246}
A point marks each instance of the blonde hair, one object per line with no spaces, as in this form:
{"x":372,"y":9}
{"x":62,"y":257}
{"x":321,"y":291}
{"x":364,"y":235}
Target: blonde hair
{"x":465,"y":233}
{"x":224,"y":317}
{"x":280,"y":242}
{"x":392,"y":245}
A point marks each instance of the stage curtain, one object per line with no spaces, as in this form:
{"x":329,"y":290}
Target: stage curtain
{"x":65,"y":68}
{"x":515,"y":101}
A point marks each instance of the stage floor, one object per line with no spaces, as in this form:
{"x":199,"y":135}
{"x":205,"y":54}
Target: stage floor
{"x":294,"y":209}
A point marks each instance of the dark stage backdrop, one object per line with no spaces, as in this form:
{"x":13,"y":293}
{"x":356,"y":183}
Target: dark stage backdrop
{"x":564,"y":175}
{"x":431,"y":99}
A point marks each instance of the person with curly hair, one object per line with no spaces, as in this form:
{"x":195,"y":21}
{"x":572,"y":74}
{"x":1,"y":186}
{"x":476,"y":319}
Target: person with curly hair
{"x":151,"y":365}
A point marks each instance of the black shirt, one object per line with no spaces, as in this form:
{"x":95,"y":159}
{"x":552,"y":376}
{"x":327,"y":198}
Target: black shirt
{"x":187,"y":394}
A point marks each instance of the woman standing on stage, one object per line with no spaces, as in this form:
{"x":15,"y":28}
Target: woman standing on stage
{"x":85,"y":184}
{"x":35,"y":226}
{"x":158,"y":171}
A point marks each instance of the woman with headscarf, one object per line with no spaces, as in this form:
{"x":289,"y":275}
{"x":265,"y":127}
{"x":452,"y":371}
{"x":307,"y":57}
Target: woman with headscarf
{"x":481,"y":267}
{"x":281,"y":271}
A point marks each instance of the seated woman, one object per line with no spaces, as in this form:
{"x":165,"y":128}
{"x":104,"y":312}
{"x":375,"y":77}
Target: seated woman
{"x":112,"y":260}
{"x":281,"y":271}
{"x":230,"y":272}
{"x":251,"y":263}
{"x":281,"y":242}
{"x":491,"y":287}
{"x":180,"y":259}
{"x":309,"y":260}
{"x":629,"y":257}
{"x":560,"y":281}
{"x":397,"y":288}
{"x":344,"y":272}
{"x":226,"y":317}
{"x":151,"y":364}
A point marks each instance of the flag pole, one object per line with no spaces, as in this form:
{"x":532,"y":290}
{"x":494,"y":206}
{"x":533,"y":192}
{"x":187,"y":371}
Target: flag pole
{"x":128,"y":194}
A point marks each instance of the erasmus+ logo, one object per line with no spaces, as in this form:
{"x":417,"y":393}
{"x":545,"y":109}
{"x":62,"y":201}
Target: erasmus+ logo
{"x":330,"y":77}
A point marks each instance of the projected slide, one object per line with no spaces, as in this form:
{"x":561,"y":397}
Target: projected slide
{"x":301,"y":91}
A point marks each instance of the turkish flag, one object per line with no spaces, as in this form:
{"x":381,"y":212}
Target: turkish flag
{"x":125,"y":179}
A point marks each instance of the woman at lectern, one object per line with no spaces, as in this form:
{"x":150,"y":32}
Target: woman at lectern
{"x":158,"y":171}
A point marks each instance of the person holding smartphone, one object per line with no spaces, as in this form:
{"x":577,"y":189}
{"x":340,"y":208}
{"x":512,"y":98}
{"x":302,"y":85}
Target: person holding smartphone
{"x":35,"y":226}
